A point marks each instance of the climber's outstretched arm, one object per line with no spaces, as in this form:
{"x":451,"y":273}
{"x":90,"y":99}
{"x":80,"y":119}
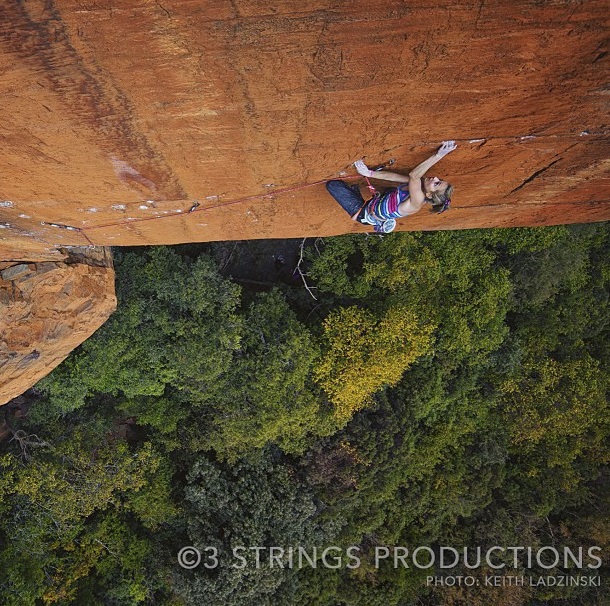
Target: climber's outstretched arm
{"x":383,"y":175}
{"x":417,"y":173}
{"x":416,"y":192}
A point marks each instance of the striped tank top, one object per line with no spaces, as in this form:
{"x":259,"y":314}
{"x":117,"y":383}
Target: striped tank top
{"x":382,"y":207}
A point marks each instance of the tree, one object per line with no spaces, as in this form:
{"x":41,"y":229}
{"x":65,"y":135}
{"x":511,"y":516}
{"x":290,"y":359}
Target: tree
{"x":269,"y":396}
{"x":65,"y":511}
{"x":363,"y":354}
{"x":176,"y":325}
{"x":247,"y":504}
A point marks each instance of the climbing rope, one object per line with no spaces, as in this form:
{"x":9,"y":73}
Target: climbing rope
{"x":197,"y":208}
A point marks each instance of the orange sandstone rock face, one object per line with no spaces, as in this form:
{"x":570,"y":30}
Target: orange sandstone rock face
{"x":46,"y":310}
{"x":117,"y":116}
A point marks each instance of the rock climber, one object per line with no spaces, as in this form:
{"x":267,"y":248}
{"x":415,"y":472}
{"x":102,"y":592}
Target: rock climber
{"x":383,"y":209}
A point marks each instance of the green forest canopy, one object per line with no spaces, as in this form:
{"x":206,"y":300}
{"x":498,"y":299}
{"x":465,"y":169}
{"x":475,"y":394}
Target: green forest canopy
{"x":445,"y":388}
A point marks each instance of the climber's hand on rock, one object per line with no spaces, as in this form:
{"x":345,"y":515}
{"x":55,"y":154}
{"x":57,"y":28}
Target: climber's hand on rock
{"x":363,"y":169}
{"x":445,"y":148}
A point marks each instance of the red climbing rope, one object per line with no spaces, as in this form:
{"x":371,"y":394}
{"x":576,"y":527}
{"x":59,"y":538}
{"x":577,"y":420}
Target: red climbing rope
{"x":370,"y":186}
{"x":195,"y":209}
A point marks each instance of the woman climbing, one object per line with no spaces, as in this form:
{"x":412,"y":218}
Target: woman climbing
{"x":382,"y":210}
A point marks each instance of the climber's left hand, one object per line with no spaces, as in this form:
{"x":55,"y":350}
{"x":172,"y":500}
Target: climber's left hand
{"x":363,"y":169}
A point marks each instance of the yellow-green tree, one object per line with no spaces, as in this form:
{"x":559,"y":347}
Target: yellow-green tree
{"x":364,"y":353}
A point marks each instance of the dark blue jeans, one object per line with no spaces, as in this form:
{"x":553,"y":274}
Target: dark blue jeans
{"x":349,"y":197}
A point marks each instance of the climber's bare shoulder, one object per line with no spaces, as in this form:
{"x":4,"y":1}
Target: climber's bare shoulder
{"x":410,"y":206}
